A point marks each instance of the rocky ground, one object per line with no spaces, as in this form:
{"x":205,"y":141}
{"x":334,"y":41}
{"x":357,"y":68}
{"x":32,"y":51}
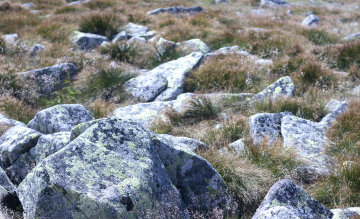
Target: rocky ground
{"x":180,"y":109}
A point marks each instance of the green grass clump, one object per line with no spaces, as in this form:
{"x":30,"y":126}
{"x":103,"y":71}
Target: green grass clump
{"x":100,"y":4}
{"x":319,"y":37}
{"x":347,"y":55}
{"x":200,"y":109}
{"x":101,"y":23}
{"x":139,"y":18}
{"x":121,"y":51}
{"x":67,"y":9}
{"x":54,"y":31}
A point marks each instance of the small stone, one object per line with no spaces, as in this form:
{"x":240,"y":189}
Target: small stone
{"x":273,"y":3}
{"x":87,"y":41}
{"x":311,"y":20}
{"x":36,"y":49}
{"x":284,"y":87}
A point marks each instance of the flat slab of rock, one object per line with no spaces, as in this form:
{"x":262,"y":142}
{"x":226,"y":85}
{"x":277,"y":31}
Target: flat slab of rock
{"x":165,"y":82}
{"x":286,"y":200}
{"x":51,"y":78}
{"x":334,"y":109}
{"x":308,"y":139}
{"x":16,"y":141}
{"x":176,"y":10}
{"x":194,"y":45}
{"x":185,"y":143}
{"x":110,"y":171}
{"x":60,"y":118}
{"x":87,"y":41}
{"x":273,"y":3}
{"x":284,"y":87}
{"x":311,"y":20}
{"x":352,"y":36}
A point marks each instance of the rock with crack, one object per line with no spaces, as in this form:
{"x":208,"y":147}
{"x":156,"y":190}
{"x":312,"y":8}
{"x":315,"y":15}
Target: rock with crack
{"x":286,"y":200}
{"x":347,"y":213}
{"x":4,"y":121}
{"x":311,"y":20}
{"x":284,"y":87}
{"x":51,"y":78}
{"x":352,"y":36}
{"x":200,"y":185}
{"x":16,"y":141}
{"x":308,"y":139}
{"x":176,"y":10}
{"x":185,"y":143}
{"x":46,"y":146}
{"x":165,"y":82}
{"x":194,"y":45}
{"x":60,"y":118}
{"x":87,"y":41}
{"x":273,"y":3}
{"x":334,"y":109}
{"x":266,"y":126}
{"x":112,"y":170}
{"x":8,"y":196}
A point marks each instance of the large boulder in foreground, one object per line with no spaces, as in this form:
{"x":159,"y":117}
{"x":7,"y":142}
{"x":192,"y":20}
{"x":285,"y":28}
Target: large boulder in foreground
{"x":284,"y":87}
{"x":110,"y":171}
{"x":16,"y":141}
{"x":51,"y":78}
{"x":87,"y":41}
{"x":165,"y":82}
{"x":60,"y":118}
{"x":286,"y":200}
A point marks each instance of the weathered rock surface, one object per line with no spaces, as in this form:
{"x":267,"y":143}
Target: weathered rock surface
{"x":110,"y":171}
{"x":193,"y":45}
{"x":120,"y":36}
{"x":334,"y":109}
{"x":87,"y":41}
{"x":165,"y":82}
{"x":60,"y":118}
{"x":227,"y":51}
{"x":36,"y":49}
{"x":51,"y":78}
{"x":8,"y":196}
{"x":352,"y":36}
{"x":185,"y":143}
{"x":135,"y":30}
{"x":346,"y":213}
{"x":9,"y":122}
{"x":28,"y":5}
{"x":221,"y":1}
{"x":10,"y":38}
{"x":79,"y":129}
{"x":310,"y":20}
{"x":15,"y":142}
{"x":286,"y":200}
{"x":199,"y":184}
{"x":163,"y":44}
{"x":284,"y":87}
{"x":46,"y":146}
{"x":266,"y":126}
{"x":273,"y":3}
{"x":176,"y":10}
{"x":237,"y":148}
{"x":308,"y":139}
{"x":78,"y":2}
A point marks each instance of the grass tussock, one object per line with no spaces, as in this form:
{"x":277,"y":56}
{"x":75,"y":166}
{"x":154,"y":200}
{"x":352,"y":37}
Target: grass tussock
{"x":7,"y":6}
{"x":319,"y":37}
{"x":100,"y":4}
{"x":102,"y":23}
{"x":54,"y":31}
{"x":121,"y":51}
{"x":68,"y":9}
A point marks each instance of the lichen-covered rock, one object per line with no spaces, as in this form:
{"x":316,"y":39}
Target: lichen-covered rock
{"x":310,"y":20}
{"x":15,"y":142}
{"x":60,"y":118}
{"x":165,"y":82}
{"x":8,"y":196}
{"x":87,"y":41}
{"x":176,"y":10}
{"x":36,"y":49}
{"x":110,"y":171}
{"x":51,"y":78}
{"x":194,"y":45}
{"x":46,"y":146}
{"x":308,"y":139}
{"x":200,"y":185}
{"x":347,"y":213}
{"x":284,"y":87}
{"x":163,"y":44}
{"x":334,"y":109}
{"x":10,"y":122}
{"x":286,"y":200}
{"x":273,"y":3}
{"x":79,"y":129}
{"x":185,"y":143}
{"x":266,"y":126}
{"x":352,"y":36}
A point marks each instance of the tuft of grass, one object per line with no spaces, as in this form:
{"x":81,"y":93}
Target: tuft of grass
{"x":101,"y":23}
{"x":347,"y":55}
{"x":54,"y":31}
{"x":139,"y":18}
{"x":121,"y":51}
{"x":67,"y":9}
{"x":101,"y":108}
{"x":162,"y":55}
{"x":319,"y":37}
{"x":16,"y":109}
{"x":200,"y":109}
{"x":100,"y":4}
{"x":7,"y":6}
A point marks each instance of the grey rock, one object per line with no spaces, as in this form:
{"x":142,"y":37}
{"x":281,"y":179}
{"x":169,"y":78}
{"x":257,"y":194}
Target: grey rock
{"x":308,"y":139}
{"x":87,"y":41}
{"x":356,"y":90}
{"x":284,"y":87}
{"x":9,"y":122}
{"x":273,"y":3}
{"x":352,"y":36}
{"x":8,"y":196}
{"x":237,"y":148}
{"x":16,"y":141}
{"x":110,"y":171}
{"x":51,"y":78}
{"x":120,"y":36}
{"x":199,"y":184}
{"x":46,"y":146}
{"x":28,"y":5}
{"x":264,"y":62}
{"x":78,"y":2}
{"x":266,"y":126}
{"x":136,"y":40}
{"x":176,"y":10}
{"x":226,"y":51}
{"x":185,"y":143}
{"x":286,"y":200}
{"x":221,"y":1}
{"x":36,"y":49}
{"x":334,"y":109}
{"x":135,"y":30}
{"x":10,"y":38}
{"x":311,"y":20}
{"x":346,"y":213}
{"x":79,"y":129}
{"x":60,"y":118}
{"x":165,"y":82}
{"x":163,"y":44}
{"x":193,"y":45}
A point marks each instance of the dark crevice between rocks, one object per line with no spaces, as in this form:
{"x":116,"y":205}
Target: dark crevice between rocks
{"x":11,"y":201}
